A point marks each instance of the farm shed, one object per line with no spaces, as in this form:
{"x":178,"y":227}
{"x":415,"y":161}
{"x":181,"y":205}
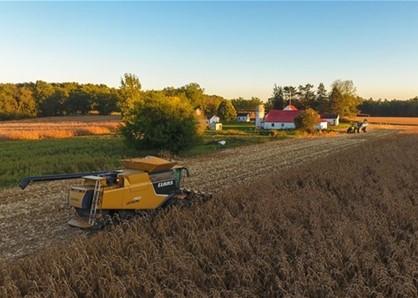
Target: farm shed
{"x":216,"y":126}
{"x":331,"y":119}
{"x":214,"y":123}
{"x":214,"y":119}
{"x":243,"y":117}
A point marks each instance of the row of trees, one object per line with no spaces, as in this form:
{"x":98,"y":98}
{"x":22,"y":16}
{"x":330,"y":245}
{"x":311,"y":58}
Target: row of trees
{"x":57,"y":99}
{"x":390,"y":108}
{"x":53,"y":99}
{"x":342,"y":99}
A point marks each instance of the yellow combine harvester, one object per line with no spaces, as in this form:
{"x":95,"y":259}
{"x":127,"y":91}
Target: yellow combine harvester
{"x":144,"y":184}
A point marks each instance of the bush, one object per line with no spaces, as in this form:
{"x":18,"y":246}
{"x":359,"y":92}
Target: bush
{"x":160,"y":122}
{"x":307,"y":120}
{"x":226,"y":111}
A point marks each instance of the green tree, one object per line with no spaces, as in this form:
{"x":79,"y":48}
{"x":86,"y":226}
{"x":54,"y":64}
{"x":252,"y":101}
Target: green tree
{"x":210,"y":104}
{"x":344,"y":99}
{"x":42,"y":91}
{"x":16,"y":101}
{"x":290,"y":95}
{"x":160,"y":122}
{"x":322,"y":99}
{"x":106,"y":102}
{"x":53,"y":105}
{"x":194,"y":93}
{"x":130,"y":92}
{"x":277,"y":101}
{"x":307,"y":96}
{"x":242,"y":104}
{"x":226,"y":111}
{"x":307,"y":120}
{"x":78,"y":102}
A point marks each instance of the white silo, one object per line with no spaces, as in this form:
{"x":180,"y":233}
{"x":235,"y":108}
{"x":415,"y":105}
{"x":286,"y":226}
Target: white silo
{"x":259,"y":116}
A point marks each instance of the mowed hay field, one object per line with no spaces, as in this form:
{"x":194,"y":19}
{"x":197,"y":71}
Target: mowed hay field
{"x":58,"y":127}
{"x":346,"y":225}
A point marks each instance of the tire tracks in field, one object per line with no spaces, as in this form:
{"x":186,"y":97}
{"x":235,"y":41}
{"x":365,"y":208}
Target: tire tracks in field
{"x":216,"y":174}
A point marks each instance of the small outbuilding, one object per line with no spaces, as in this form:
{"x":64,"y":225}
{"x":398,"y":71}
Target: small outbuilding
{"x":214,"y":119}
{"x":243,"y":117}
{"x":214,"y":123}
{"x":216,"y":126}
{"x":331,"y":119}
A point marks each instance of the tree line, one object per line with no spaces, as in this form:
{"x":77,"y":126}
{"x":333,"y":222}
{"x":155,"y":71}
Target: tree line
{"x":40,"y":99}
{"x":56,"y":99}
{"x":390,"y":108}
{"x":342,"y":100}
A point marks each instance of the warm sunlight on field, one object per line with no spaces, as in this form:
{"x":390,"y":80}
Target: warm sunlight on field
{"x":390,"y":120}
{"x":58,"y":127}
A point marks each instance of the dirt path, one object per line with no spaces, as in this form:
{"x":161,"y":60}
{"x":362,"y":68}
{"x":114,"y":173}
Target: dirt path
{"x":36,"y":217}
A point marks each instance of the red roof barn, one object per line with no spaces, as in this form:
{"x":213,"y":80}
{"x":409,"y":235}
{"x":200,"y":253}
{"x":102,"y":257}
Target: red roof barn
{"x":281,"y":116}
{"x":285,"y":119}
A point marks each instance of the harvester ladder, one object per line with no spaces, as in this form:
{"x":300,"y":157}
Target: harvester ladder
{"x":94,"y":202}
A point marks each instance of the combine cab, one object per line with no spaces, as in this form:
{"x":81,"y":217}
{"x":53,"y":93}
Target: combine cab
{"x":144,"y":184}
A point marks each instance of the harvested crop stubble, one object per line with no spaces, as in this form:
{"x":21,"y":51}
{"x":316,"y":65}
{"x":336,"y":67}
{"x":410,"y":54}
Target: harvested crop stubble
{"x":346,"y":225}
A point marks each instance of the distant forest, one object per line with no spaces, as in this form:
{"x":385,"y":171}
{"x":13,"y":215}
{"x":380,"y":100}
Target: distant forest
{"x":41,"y":99}
{"x":55,"y":99}
{"x":390,"y":108}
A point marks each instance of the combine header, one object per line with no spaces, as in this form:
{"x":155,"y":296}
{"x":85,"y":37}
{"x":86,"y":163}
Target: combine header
{"x":145,"y":184}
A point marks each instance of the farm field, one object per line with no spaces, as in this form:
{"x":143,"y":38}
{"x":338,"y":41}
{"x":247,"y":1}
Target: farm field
{"x":45,"y":223}
{"x":71,"y":126}
{"x":58,"y":127}
{"x":91,"y":153}
{"x":313,"y":223}
{"x":390,"y":120}
{"x":78,"y":154}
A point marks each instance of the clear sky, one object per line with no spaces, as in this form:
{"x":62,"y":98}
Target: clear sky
{"x":231,"y":49}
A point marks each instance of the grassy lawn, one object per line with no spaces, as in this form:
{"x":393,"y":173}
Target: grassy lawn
{"x":79,"y":154}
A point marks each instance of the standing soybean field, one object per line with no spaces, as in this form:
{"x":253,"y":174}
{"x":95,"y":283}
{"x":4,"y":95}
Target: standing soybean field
{"x":342,"y":223}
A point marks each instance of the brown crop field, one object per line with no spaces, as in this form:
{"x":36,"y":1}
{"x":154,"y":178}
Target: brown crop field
{"x":58,"y":127}
{"x":317,"y":218}
{"x":390,"y":120}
